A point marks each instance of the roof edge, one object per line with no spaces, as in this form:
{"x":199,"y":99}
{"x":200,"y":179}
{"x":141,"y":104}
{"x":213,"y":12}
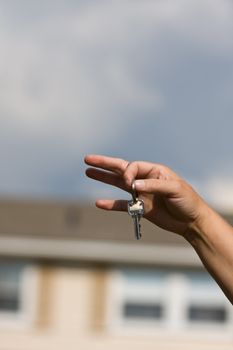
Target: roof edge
{"x":98,"y":252}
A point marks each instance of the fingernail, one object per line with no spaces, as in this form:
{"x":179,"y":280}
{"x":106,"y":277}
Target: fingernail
{"x":139,"y":184}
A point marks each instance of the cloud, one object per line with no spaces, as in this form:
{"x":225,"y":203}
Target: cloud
{"x":79,"y":77}
{"x":219,"y":191}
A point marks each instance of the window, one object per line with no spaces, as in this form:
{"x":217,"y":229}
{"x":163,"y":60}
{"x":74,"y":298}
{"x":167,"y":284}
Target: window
{"x":18,"y":290}
{"x":136,"y":298}
{"x":205,"y":304}
{"x":9,"y":287}
{"x":197,"y":313}
{"x":142,"y":310}
{"x":160,"y":300}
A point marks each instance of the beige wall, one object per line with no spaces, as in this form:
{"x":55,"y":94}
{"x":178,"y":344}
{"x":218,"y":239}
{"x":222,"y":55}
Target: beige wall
{"x":70,"y":314}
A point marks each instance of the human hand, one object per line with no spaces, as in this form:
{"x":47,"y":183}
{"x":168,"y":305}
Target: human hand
{"x":170,"y":202}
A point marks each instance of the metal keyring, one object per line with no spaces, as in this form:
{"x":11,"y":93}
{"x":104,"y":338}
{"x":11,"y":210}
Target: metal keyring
{"x":134,"y":193}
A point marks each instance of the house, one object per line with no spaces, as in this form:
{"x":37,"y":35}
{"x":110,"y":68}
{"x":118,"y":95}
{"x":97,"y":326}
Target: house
{"x":73,"y":276}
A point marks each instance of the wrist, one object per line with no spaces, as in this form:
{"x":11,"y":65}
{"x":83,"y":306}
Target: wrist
{"x":197,"y":228}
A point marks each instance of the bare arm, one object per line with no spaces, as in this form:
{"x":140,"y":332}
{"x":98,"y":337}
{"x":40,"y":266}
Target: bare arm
{"x":212,"y":238}
{"x":172,"y":204}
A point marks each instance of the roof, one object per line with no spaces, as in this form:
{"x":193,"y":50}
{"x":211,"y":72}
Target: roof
{"x":47,"y":219}
{"x":70,"y":230}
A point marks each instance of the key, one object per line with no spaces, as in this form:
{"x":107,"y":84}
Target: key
{"x":136,"y":211}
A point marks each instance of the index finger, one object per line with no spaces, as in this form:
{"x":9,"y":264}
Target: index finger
{"x":142,"y":170}
{"x":116,"y":165}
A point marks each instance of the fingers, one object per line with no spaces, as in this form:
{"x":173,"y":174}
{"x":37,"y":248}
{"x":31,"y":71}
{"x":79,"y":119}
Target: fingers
{"x":137,"y":170}
{"x":115,"y":165}
{"x":121,"y":173}
{"x":158,"y":186}
{"x":142,"y":170}
{"x":117,"y":205}
{"x":106,"y":177}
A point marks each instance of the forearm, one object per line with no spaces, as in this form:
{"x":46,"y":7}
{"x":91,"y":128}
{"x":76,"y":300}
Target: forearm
{"x":212,"y":238}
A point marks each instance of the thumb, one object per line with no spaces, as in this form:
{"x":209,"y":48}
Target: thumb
{"x":160,"y":186}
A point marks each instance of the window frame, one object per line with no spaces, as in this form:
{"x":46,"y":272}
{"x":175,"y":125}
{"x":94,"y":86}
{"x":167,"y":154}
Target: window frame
{"x":175,"y":324}
{"x":28,"y":291}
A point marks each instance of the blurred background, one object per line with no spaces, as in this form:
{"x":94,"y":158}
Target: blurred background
{"x":141,"y":80}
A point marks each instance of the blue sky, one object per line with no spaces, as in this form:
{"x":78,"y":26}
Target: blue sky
{"x":149,"y":80}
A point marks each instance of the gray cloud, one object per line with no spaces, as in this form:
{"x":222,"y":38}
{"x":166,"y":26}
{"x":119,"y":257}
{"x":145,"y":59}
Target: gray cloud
{"x":79,"y":77}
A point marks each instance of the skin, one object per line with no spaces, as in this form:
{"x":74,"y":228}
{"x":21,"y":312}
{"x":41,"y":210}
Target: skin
{"x":172,"y":204}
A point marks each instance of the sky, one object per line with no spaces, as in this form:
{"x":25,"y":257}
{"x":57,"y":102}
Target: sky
{"x":141,"y":80}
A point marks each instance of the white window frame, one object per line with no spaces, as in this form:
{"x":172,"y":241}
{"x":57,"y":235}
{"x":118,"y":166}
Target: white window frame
{"x":209,"y":299}
{"x":175,"y":324}
{"x":25,"y":317}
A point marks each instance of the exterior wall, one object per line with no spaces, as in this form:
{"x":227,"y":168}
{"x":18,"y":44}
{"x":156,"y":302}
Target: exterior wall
{"x":70,"y":314}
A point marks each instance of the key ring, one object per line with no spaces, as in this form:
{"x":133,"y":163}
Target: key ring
{"x":134,"y":193}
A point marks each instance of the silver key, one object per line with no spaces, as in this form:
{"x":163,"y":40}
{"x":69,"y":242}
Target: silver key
{"x":136,"y":211}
